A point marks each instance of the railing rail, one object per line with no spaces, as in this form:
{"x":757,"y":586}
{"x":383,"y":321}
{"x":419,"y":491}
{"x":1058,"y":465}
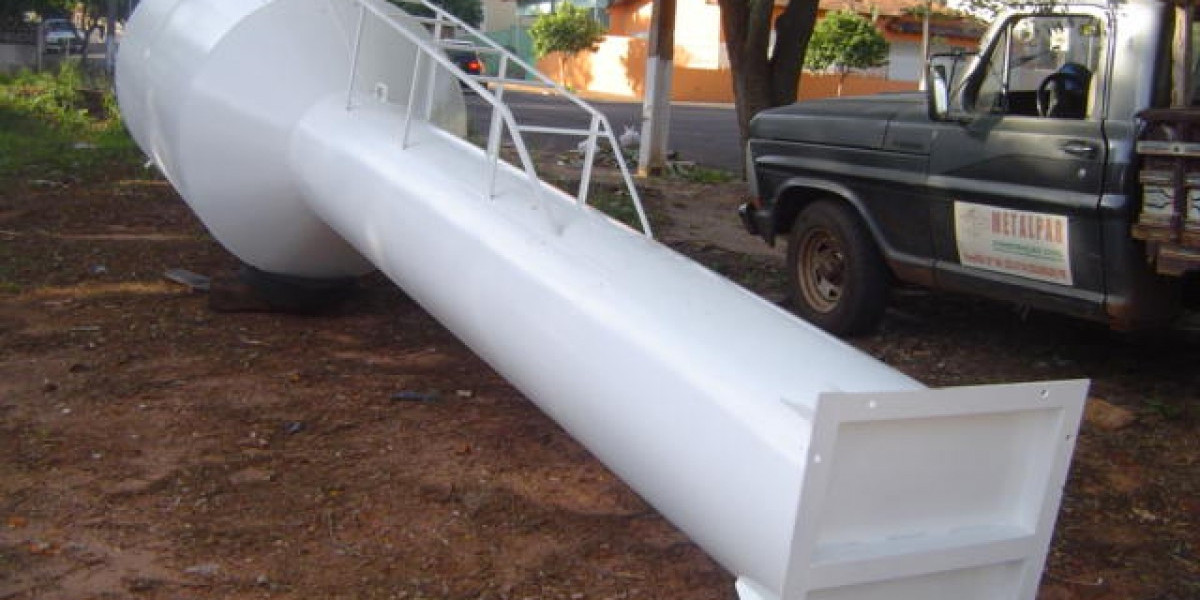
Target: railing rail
{"x":491,"y":88}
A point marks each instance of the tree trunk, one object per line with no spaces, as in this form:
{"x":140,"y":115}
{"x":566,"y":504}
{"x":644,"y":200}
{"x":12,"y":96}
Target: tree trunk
{"x":764,"y":77}
{"x":793,"y":29}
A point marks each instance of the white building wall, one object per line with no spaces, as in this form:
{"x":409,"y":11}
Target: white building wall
{"x":905,"y":62}
{"x":498,"y":15}
{"x":14,"y":57}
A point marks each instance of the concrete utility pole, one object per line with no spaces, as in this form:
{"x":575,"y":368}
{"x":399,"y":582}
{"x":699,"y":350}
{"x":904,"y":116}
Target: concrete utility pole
{"x":656,"y":106}
{"x":925,"y":44}
{"x":1181,"y":94}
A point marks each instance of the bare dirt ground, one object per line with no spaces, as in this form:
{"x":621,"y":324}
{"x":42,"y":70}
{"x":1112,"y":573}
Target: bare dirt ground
{"x":151,"y":448}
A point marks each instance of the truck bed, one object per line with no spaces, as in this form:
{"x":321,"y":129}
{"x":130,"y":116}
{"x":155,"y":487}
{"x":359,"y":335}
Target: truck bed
{"x":1169,"y":220}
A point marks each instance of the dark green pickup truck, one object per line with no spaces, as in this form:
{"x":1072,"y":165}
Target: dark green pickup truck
{"x":1059,"y":168}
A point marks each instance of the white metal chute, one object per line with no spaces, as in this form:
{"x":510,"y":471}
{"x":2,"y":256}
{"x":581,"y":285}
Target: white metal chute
{"x":805,"y":467}
{"x":979,"y":470}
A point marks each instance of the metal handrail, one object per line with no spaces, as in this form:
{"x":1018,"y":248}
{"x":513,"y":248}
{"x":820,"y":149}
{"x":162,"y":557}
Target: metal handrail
{"x":502,"y":116}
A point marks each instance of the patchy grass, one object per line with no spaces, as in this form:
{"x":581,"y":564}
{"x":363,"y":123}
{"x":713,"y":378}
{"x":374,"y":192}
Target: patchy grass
{"x":61,"y":127}
{"x":704,"y":175}
{"x":57,"y":130}
{"x":615,"y":203}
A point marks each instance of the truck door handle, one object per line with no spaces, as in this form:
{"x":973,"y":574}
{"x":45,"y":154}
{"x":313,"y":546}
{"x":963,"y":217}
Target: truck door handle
{"x":1080,"y":149}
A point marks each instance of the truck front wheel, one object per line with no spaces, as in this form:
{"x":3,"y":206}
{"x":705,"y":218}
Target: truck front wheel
{"x":838,"y":279}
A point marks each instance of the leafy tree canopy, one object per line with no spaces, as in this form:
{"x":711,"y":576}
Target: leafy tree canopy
{"x":937,"y":9}
{"x":569,"y":29}
{"x":90,"y":12}
{"x":470,"y":11}
{"x":17,"y":9}
{"x":845,"y":41}
{"x":988,"y":10}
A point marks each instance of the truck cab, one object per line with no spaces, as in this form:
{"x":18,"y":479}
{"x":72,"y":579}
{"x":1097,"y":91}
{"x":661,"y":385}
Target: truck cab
{"x":1019,"y":174}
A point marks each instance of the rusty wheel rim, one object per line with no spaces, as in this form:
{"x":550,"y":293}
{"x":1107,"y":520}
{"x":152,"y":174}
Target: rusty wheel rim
{"x":822,"y":269}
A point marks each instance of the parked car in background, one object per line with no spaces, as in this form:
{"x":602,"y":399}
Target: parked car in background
{"x":464,"y":55}
{"x":60,"y":35}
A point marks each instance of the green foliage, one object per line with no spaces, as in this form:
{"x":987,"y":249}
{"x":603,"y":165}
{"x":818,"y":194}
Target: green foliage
{"x":51,"y":97}
{"x":48,"y":133}
{"x":616,"y":204}
{"x":18,"y":8}
{"x":569,"y":30}
{"x":986,"y":10}
{"x":705,"y":175}
{"x":845,"y":41}
{"x":470,"y":11}
{"x":936,"y":9}
{"x":1171,"y":411}
{"x":15,"y":10}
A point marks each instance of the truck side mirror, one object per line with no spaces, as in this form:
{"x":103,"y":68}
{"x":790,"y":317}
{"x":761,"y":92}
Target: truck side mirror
{"x":943,"y":82}
{"x":937,"y":93}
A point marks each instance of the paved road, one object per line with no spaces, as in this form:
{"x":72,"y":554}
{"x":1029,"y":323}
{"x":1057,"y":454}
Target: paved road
{"x":706,"y":135}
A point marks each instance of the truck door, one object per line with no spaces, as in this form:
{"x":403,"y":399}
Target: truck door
{"x":1017,"y":181}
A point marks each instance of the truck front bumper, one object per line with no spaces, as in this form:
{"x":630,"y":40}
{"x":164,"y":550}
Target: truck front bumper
{"x":757,"y":221}
{"x":745,"y":213}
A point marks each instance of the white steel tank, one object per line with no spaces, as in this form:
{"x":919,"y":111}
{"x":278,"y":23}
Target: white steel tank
{"x":805,"y":467}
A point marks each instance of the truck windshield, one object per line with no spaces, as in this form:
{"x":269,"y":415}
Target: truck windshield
{"x":1031,"y":50}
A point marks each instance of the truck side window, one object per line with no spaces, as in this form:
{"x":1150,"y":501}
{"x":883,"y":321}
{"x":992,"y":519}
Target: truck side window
{"x":1042,"y":66}
{"x":991,"y":97}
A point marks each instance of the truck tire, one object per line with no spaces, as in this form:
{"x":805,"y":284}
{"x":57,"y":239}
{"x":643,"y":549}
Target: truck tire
{"x":838,"y":280}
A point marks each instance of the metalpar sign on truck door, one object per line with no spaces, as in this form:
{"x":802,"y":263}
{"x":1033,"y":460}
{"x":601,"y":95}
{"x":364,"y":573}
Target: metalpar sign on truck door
{"x":1026,"y":244}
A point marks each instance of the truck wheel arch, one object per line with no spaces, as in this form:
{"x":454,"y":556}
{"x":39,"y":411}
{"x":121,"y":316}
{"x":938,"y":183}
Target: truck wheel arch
{"x":799,"y":193}
{"x":837,"y":277}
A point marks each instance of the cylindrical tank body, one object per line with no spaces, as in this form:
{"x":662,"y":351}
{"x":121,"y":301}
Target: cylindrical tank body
{"x":212,"y":89}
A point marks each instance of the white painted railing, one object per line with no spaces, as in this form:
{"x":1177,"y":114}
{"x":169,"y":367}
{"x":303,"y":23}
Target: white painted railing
{"x":491,"y":89}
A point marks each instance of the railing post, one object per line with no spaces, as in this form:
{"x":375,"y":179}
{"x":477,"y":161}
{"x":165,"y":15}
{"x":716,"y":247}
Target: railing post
{"x":633,"y":193}
{"x":412,"y":97}
{"x":495,"y":129}
{"x":433,"y":67}
{"x":362,"y":17}
{"x":589,"y":159}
